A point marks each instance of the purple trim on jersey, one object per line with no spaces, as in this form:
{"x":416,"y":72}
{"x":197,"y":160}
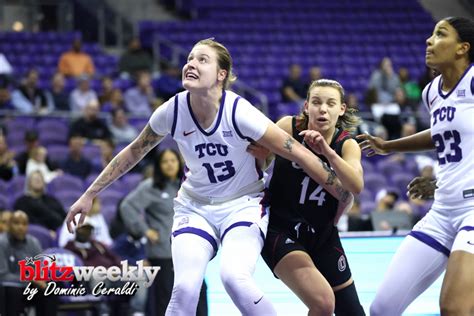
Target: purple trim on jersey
{"x":428,"y":95}
{"x":219,"y":114}
{"x":468,"y":228}
{"x":198,"y":232}
{"x":454,"y":88}
{"x":238,"y":224}
{"x":175,"y":117}
{"x":259,"y":170}
{"x":234,"y":121}
{"x":472,"y":85}
{"x":430,"y":241}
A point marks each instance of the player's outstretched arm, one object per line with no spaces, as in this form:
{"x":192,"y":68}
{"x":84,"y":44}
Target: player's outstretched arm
{"x":119,"y":165}
{"x":377,"y":146}
{"x":281,"y":143}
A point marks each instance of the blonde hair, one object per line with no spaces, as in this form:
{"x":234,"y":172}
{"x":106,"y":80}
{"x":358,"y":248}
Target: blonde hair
{"x":348,"y":121}
{"x":223,"y":59}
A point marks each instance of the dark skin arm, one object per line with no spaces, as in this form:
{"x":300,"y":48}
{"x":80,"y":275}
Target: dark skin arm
{"x":377,"y":146}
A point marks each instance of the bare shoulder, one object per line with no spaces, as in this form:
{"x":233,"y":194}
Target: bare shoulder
{"x":285,"y":124}
{"x":351,"y":148}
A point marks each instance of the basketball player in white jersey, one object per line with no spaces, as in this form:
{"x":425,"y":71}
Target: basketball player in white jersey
{"x":220,"y":202}
{"x":444,"y":238}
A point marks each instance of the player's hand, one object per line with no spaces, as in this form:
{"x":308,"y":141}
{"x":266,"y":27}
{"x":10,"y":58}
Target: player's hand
{"x":258,"y":151}
{"x":421,"y":188}
{"x":152,"y":235}
{"x":82,"y":207}
{"x":343,"y":207}
{"x":316,"y":142}
{"x":373,"y":145}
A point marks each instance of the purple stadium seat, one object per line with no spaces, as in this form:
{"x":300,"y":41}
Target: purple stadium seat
{"x":66,"y":182}
{"x":67,"y":198}
{"x":42,"y":234}
{"x":52,"y":137}
{"x":168,"y":142}
{"x":374,"y":182}
{"x":401,"y":180}
{"x":17,"y":185}
{"x":91,"y":151}
{"x":131,"y":180}
{"x":110,"y":197}
{"x":4,"y":202}
{"x":58,"y":153}
{"x":368,"y":207}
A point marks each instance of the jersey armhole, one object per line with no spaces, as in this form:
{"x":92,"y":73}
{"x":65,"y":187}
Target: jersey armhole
{"x":175,"y":115}
{"x":427,"y":99}
{"x":234,"y":121}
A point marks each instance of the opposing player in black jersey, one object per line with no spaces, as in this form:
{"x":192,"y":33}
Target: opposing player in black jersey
{"x":302,"y":247}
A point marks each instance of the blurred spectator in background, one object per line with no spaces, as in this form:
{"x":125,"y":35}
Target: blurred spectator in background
{"x":384,"y":81}
{"x":388,"y":215}
{"x":82,"y":95}
{"x":75,"y":163}
{"x":17,"y":245}
{"x":37,"y":162}
{"x":101,"y":229}
{"x":106,"y":90}
{"x":5,"y":98}
{"x":90,"y":126}
{"x":31,"y":142}
{"x":135,"y":59}
{"x":5,"y":217}
{"x":76,"y":63}
{"x":94,"y":253}
{"x":386,"y":200}
{"x":115,"y":102}
{"x":58,"y":96}
{"x":293,"y":89}
{"x":107,"y":148}
{"x":42,"y":209}
{"x":169,"y":82}
{"x":8,"y":166}
{"x":427,"y":76}
{"x":122,"y":131}
{"x":139,"y":99}
{"x":314,"y":74}
{"x":353,"y":220}
{"x":29,"y":98}
{"x":410,"y":87}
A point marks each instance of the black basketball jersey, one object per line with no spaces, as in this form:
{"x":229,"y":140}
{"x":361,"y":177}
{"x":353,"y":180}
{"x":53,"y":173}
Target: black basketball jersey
{"x":295,"y":197}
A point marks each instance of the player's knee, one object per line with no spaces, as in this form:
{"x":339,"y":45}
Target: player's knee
{"x":323,"y":304}
{"x":185,"y":292}
{"x":234,"y":278}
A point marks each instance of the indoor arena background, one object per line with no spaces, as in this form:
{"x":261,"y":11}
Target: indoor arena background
{"x":275,"y":45}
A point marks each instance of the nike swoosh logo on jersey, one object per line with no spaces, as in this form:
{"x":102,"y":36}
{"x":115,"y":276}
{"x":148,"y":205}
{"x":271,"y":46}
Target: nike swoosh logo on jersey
{"x":256,"y":302}
{"x":431,"y":102}
{"x":470,"y":243}
{"x":188,"y":133}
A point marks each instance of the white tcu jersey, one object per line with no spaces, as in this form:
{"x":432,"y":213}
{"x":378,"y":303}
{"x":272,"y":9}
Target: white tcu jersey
{"x":217,"y":163}
{"x":452,"y":131}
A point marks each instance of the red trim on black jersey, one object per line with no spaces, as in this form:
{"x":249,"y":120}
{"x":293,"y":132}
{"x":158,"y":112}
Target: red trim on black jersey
{"x":343,"y":135}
